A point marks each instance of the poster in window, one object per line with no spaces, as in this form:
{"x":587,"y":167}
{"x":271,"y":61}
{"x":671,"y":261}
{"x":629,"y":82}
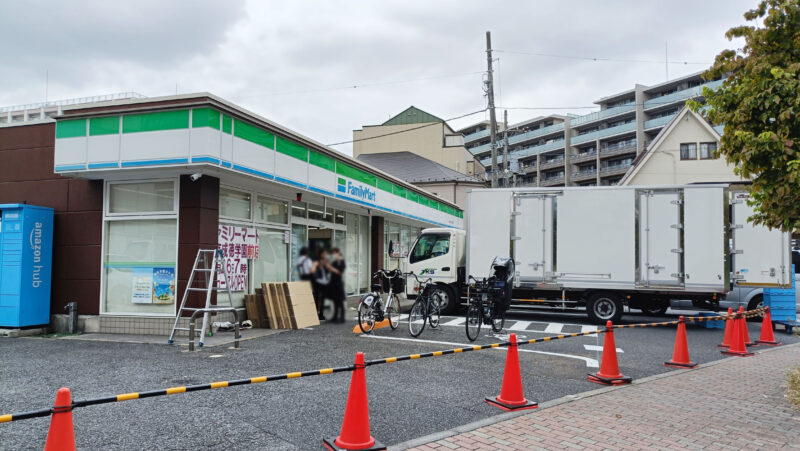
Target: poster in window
{"x":163,"y":285}
{"x":142,"y":281}
{"x":238,"y":244}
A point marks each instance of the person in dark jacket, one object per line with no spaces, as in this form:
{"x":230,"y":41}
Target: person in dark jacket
{"x":320,"y":280}
{"x":336,"y":285}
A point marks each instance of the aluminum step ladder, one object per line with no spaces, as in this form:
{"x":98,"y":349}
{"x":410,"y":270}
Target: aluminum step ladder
{"x":201,"y":265}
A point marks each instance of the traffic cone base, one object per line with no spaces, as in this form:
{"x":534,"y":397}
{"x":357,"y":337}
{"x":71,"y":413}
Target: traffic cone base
{"x":508,"y":407}
{"x":738,"y":353}
{"x":330,"y":443}
{"x":597,"y":379}
{"x":680,"y":365}
{"x":769,"y":343}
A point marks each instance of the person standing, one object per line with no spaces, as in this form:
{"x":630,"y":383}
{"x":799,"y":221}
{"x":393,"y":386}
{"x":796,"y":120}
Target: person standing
{"x":305,"y":266}
{"x":320,"y":280}
{"x":336,"y":285}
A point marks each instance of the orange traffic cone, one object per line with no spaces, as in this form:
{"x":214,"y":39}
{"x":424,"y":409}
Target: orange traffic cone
{"x":355,"y":425}
{"x":737,"y":339}
{"x":726,"y":340}
{"x":680,"y":356}
{"x":511,"y":397}
{"x":61,"y":436}
{"x":767,"y":337}
{"x":609,"y":368}
{"x":745,"y":332}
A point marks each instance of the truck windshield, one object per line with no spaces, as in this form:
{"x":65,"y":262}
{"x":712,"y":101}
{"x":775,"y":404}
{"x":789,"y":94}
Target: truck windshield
{"x":430,"y":245}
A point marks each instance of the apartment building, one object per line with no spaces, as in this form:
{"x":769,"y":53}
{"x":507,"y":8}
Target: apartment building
{"x":593,"y":149}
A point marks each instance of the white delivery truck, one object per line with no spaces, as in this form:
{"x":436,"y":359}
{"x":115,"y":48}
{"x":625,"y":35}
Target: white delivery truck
{"x":606,"y":247}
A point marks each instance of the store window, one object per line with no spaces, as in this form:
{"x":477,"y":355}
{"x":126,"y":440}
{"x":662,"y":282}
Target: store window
{"x":320,"y":213}
{"x":299,"y":209}
{"x":707,"y":150}
{"x":272,"y":210}
{"x":688,"y":151}
{"x":234,"y":204}
{"x":140,"y":248}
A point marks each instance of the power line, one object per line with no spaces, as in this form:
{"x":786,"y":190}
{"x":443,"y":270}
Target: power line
{"x":406,"y":130}
{"x":597,"y":58}
{"x":358,"y":85}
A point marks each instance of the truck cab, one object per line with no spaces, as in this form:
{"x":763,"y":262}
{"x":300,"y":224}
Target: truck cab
{"x":438,"y":253}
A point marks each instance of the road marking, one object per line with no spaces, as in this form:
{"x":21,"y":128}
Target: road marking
{"x":598,"y":348}
{"x":585,"y":329}
{"x":590,"y":362}
{"x":553,"y":328}
{"x":520,"y":325}
{"x":455,"y":322}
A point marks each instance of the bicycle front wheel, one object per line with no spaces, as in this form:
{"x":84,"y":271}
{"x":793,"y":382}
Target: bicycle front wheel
{"x":366,"y":315}
{"x":435,"y":312}
{"x":393,"y":312}
{"x":416,"y":318}
{"x":474,"y":320}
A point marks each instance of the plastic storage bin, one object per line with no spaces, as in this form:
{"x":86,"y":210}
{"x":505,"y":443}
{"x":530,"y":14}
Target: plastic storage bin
{"x":712,"y":324}
{"x":782,"y":305}
{"x":26,"y":257}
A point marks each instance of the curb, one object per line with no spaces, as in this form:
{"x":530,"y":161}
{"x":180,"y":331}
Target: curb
{"x":419,"y":441}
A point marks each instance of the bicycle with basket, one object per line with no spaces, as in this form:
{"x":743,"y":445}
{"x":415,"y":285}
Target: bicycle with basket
{"x":372,"y":309}
{"x":426,"y":309}
{"x":489,"y":298}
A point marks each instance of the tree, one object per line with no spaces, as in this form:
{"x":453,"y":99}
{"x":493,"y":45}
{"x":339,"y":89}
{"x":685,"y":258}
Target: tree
{"x":759,"y":105}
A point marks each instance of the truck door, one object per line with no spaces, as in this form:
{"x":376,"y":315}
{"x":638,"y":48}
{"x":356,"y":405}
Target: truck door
{"x":761,"y":257}
{"x":660,"y":238}
{"x":533,"y":236}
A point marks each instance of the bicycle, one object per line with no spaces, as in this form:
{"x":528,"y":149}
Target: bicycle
{"x":371,"y":306}
{"x":483,"y":308}
{"x":426,"y":309}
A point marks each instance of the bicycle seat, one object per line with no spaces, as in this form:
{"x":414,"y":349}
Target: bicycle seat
{"x":377,"y":287}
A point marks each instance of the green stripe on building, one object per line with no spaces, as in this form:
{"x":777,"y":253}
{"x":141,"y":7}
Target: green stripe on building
{"x":205,"y":117}
{"x":226,"y":124}
{"x":153,"y":122}
{"x":323,"y":161}
{"x":355,"y":174}
{"x":423,"y":201}
{"x":104,"y":126}
{"x":71,"y":129}
{"x":294,"y":150}
{"x":384,"y":185}
{"x":412,"y":196}
{"x":399,"y":191}
{"x":253,"y":134}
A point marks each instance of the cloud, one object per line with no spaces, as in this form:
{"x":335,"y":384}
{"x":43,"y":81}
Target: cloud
{"x":297,"y":62}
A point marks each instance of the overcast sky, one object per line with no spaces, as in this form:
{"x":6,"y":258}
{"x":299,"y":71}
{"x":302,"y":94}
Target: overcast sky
{"x":296,"y":62}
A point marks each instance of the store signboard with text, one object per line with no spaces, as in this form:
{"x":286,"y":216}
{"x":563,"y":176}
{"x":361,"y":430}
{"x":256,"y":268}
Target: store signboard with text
{"x":238,"y":245}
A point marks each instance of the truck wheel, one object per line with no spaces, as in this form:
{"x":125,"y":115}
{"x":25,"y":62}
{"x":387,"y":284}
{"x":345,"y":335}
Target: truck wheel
{"x":756,"y":302}
{"x":602,"y":307}
{"x":448,"y":299}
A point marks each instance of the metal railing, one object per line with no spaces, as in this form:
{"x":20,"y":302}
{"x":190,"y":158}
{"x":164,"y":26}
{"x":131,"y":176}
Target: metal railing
{"x":617,"y":150}
{"x":197,"y":313}
{"x":584,"y":175}
{"x":680,"y":96}
{"x":75,"y":101}
{"x":586,"y":156}
{"x":614,"y":170}
{"x":659,"y":121}
{"x":556,"y":162}
{"x":550,"y":181}
{"x":603,"y":114}
{"x":591,"y":136}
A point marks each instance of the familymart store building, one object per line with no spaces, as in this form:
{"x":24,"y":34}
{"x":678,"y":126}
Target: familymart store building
{"x":183,"y":173}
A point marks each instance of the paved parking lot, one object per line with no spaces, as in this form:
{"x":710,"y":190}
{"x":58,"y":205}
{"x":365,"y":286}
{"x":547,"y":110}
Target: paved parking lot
{"x":407,"y":399}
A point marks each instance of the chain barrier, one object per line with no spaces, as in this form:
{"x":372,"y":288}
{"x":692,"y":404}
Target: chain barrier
{"x":298,"y":374}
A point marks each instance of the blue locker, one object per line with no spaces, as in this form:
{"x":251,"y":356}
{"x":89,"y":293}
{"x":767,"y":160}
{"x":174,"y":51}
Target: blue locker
{"x":26,"y":262}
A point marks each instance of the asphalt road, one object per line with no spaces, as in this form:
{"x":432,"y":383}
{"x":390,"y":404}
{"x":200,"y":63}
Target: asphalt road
{"x":407,"y":399}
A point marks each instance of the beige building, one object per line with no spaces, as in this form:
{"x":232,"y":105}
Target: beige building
{"x":421,"y":133}
{"x":681,"y":153}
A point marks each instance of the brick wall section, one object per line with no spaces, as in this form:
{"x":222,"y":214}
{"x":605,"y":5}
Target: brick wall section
{"x":26,"y":176}
{"x":198,"y":219}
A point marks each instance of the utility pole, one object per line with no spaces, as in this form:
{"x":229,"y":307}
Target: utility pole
{"x":492,"y":117}
{"x":506,"y":163}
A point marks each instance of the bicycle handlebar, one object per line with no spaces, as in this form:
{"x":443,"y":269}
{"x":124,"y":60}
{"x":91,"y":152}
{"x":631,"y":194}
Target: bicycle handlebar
{"x":385,"y":273}
{"x":429,"y":280}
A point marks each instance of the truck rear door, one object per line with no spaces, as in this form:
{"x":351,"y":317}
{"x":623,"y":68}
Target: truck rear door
{"x":533,"y":236}
{"x":761,"y":257}
{"x":660,"y":238}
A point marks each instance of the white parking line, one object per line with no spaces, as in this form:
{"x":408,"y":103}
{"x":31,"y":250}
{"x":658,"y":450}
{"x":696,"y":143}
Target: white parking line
{"x":455,"y":322}
{"x":520,"y":325}
{"x":598,"y":348}
{"x":590,"y":362}
{"x":553,"y":328}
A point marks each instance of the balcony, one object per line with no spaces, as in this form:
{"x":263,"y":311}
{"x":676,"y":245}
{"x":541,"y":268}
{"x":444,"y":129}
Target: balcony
{"x":602,"y":114}
{"x":522,"y":137}
{"x":477,"y":135}
{"x":528,"y":169}
{"x":680,"y":96}
{"x":581,"y":157}
{"x":611,"y":171}
{"x":621,"y":150}
{"x":554,"y":163}
{"x":658,"y":122}
{"x":480,"y":149}
{"x":558,"y":144}
{"x":552,"y":181}
{"x":602,"y":133}
{"x":581,"y":176}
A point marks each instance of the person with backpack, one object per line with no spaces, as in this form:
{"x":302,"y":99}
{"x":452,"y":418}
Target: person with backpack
{"x":305,"y":266}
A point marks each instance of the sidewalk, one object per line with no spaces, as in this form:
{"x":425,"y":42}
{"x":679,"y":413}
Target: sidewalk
{"x":734,"y":403}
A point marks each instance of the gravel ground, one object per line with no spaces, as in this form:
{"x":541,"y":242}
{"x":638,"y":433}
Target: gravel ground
{"x":407,"y":399}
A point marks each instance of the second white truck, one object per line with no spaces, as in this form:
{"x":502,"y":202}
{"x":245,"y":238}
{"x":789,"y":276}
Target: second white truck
{"x":607,"y":247}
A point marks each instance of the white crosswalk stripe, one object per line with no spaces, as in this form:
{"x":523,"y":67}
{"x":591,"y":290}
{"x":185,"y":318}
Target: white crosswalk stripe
{"x":520,"y":325}
{"x":455,"y":322}
{"x":553,"y":328}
